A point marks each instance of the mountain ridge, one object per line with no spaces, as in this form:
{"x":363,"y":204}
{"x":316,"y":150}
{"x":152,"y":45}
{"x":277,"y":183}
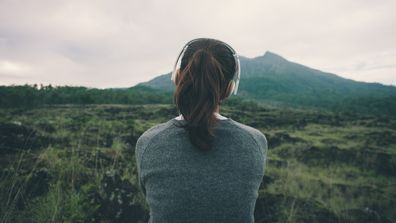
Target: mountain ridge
{"x":271,"y":78}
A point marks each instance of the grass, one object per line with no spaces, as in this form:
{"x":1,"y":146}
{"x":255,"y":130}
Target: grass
{"x":88,"y":164}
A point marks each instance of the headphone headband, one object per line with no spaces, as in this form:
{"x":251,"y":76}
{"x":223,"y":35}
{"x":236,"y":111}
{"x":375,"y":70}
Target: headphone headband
{"x":237,"y":74}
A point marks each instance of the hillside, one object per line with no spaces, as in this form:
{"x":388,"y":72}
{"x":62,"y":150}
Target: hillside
{"x":271,"y":79}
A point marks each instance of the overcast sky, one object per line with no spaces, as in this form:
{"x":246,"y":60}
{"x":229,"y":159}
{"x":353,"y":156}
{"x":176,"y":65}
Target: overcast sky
{"x":121,"y":43}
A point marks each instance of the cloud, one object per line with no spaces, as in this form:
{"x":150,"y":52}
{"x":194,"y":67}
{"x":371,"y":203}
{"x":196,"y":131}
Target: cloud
{"x":7,"y":67}
{"x":121,"y":43}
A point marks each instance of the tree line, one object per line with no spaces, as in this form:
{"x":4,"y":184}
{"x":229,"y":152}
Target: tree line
{"x":36,"y":95}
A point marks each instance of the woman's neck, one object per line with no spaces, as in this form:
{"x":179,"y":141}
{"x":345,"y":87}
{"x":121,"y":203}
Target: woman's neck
{"x":217,"y":110}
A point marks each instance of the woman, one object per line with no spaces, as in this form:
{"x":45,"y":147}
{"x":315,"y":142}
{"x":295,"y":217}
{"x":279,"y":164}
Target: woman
{"x":202,"y":166}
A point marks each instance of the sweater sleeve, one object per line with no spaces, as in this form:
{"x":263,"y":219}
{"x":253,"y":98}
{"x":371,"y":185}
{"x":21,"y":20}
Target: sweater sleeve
{"x":140,"y":147}
{"x":263,"y":144}
{"x":142,"y":143}
{"x":259,"y":138}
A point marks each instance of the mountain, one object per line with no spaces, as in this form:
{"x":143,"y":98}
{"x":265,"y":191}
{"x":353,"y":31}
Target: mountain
{"x":271,"y":79}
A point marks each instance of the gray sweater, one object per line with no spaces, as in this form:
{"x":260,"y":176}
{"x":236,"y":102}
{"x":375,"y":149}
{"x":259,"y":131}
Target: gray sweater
{"x":184,"y":184}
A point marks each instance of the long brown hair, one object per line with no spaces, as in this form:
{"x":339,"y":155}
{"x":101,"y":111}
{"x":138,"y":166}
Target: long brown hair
{"x":206,"y":69}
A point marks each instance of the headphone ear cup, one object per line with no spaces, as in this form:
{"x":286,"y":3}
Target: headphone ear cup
{"x":231,"y":88}
{"x":174,"y":80}
{"x":175,"y":76}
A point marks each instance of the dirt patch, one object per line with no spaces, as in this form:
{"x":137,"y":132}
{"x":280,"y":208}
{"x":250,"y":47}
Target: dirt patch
{"x":16,"y":137}
{"x":279,"y":138}
{"x":380,"y":162}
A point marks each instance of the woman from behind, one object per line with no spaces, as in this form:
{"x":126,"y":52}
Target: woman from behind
{"x":201,"y":166}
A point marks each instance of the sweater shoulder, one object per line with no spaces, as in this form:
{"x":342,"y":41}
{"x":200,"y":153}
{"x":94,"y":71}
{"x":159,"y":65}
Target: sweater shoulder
{"x":146,"y":137}
{"x":256,"y":134}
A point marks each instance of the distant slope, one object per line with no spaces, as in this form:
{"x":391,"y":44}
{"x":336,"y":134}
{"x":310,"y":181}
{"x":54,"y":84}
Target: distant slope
{"x":162,"y":82}
{"x":273,"y":79}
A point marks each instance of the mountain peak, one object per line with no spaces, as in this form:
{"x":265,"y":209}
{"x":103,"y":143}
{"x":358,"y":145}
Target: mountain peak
{"x":272,"y":56}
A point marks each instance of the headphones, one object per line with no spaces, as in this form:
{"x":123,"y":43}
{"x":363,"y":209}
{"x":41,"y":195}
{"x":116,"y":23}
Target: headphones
{"x":237,"y":74}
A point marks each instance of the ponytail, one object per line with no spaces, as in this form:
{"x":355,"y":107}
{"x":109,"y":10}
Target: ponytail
{"x":200,"y":88}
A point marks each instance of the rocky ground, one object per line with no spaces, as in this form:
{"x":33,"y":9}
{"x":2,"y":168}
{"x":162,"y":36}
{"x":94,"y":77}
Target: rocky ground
{"x":76,"y":164}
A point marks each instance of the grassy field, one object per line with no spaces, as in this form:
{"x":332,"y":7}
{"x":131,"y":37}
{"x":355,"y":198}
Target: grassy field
{"x":76,"y":164}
